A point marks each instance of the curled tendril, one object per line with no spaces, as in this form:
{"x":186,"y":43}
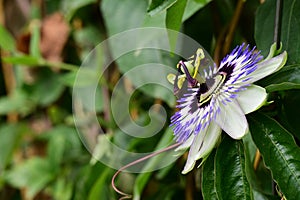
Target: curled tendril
{"x":128,"y":196}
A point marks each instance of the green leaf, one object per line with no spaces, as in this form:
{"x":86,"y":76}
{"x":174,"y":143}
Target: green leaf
{"x":10,"y":136}
{"x":34,"y":174}
{"x":154,"y":61}
{"x":193,"y":6}
{"x":209,"y":190}
{"x":56,"y":148}
{"x":23,"y":60}
{"x":70,"y":7}
{"x":18,"y":102}
{"x":282,"y":86}
{"x":289,"y":112}
{"x":290,"y":29}
{"x":260,"y":178}
{"x":231,"y":179}
{"x":280,"y":153}
{"x":30,"y":61}
{"x":174,"y":19}
{"x":63,"y":189}
{"x":157,"y":6}
{"x":63,"y":144}
{"x":47,"y":88}
{"x":99,"y":189}
{"x":34,"y":46}
{"x":85,"y":78}
{"x":264,"y":28}
{"x":115,"y":23}
{"x":286,"y":79}
{"x":88,"y":38}
{"x":7,"y":41}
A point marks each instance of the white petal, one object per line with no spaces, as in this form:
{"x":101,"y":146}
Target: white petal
{"x":211,"y":138}
{"x":186,"y":144}
{"x":202,"y":145}
{"x":191,"y":160}
{"x":267,"y":67}
{"x":232,"y":119}
{"x":252,"y":98}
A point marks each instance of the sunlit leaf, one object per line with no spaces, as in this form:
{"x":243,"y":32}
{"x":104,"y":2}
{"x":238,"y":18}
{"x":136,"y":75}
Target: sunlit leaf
{"x":34,"y":174}
{"x":139,"y":56}
{"x":23,"y":60}
{"x":174,"y":20}
{"x":34,"y":46}
{"x":99,"y":189}
{"x":63,"y":143}
{"x":193,"y":6}
{"x":157,"y":6}
{"x":30,"y":61}
{"x":7,"y":42}
{"x":63,"y":189}
{"x":114,"y":23}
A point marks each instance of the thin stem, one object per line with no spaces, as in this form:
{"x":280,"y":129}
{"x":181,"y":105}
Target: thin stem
{"x":277,"y":26}
{"x":219,"y":44}
{"x":7,"y":69}
{"x":128,"y":196}
{"x":277,"y":35}
{"x":232,"y":26}
{"x":60,"y":65}
{"x":190,"y":185}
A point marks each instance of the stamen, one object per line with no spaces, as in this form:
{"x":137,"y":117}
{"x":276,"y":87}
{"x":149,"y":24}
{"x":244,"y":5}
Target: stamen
{"x":176,"y":88}
{"x":192,"y":82}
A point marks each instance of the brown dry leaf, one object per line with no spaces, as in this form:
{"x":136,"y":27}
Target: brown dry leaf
{"x":23,"y":41}
{"x":54,"y":35}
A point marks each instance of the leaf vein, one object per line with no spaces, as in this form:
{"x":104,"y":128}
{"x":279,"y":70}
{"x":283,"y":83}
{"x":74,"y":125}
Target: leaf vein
{"x":289,"y":24}
{"x":283,"y":158}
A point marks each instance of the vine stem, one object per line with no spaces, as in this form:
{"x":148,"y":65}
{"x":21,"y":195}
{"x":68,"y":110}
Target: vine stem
{"x":7,"y":69}
{"x":277,"y":36}
{"x":128,"y":196}
{"x":277,"y":26}
{"x":232,"y":26}
{"x":226,"y":35}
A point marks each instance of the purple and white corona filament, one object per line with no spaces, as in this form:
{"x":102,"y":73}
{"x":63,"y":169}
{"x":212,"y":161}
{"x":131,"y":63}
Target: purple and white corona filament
{"x":217,"y":98}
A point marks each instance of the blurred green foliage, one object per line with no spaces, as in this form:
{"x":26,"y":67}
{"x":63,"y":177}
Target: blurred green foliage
{"x":42,"y":155}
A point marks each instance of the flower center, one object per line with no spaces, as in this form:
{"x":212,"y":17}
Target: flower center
{"x":207,"y":89}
